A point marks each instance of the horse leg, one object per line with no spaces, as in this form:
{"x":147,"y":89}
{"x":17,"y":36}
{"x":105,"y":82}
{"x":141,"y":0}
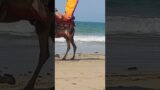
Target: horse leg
{"x":68,"y":48}
{"x":44,"y":54}
{"x":74,"y":48}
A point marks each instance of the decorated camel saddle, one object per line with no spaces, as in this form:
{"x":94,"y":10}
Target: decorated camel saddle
{"x":62,"y":25}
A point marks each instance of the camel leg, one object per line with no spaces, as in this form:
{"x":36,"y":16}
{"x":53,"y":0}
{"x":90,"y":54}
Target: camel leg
{"x":74,"y":48}
{"x":44,"y":54}
{"x":68,"y":48}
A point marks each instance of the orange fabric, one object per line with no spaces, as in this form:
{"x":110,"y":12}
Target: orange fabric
{"x":70,"y":7}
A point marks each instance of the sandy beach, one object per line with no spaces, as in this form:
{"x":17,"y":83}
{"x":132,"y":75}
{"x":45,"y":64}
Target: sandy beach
{"x":133,"y":62}
{"x":87,"y":72}
{"x":134,"y":81}
{"x":19,"y":57}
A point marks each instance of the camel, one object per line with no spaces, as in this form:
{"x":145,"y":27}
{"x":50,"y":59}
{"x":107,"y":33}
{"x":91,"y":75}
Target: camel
{"x":65,"y":30}
{"x":38,"y":15}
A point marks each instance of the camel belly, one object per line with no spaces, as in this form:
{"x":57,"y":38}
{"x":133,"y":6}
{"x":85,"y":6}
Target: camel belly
{"x":60,"y":33}
{"x":18,"y":11}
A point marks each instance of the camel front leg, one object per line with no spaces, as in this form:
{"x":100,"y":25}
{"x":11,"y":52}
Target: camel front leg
{"x":44,"y":54}
{"x":74,"y":48}
{"x":68,"y":48}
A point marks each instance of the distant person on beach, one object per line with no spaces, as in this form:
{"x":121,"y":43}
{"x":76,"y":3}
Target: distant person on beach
{"x":69,"y":11}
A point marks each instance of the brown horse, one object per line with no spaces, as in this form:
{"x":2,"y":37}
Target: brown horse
{"x":35,"y":12}
{"x":66,"y":30}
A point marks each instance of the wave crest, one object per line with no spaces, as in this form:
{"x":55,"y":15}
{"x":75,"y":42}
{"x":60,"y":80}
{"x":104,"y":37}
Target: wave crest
{"x":136,"y":25}
{"x":84,"y":39}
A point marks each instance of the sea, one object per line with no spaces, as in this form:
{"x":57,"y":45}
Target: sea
{"x":89,"y":36}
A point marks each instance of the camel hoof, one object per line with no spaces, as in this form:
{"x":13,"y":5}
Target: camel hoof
{"x":72,"y":58}
{"x":28,"y":88}
{"x":52,"y":88}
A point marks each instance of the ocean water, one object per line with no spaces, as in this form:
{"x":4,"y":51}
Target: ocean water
{"x":85,"y":31}
{"x":88,"y":32}
{"x":89,"y":36}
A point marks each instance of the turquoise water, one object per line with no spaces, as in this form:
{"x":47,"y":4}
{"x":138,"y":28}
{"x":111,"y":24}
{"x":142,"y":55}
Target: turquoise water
{"x":88,"y":32}
{"x":84,"y":31}
{"x":89,"y":38}
{"x":90,"y":28}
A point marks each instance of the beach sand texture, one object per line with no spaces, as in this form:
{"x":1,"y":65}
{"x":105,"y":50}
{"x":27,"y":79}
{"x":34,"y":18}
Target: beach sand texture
{"x":133,"y":62}
{"x":19,"y":56}
{"x":85,"y":73}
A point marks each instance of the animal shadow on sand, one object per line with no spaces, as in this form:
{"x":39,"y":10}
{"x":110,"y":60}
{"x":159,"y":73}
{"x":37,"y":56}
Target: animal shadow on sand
{"x":45,"y":88}
{"x":80,"y":59}
{"x":68,"y":60}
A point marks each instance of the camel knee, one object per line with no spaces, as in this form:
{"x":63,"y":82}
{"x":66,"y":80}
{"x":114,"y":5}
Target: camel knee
{"x":68,"y":47}
{"x":43,"y":58}
{"x":75,"y":47}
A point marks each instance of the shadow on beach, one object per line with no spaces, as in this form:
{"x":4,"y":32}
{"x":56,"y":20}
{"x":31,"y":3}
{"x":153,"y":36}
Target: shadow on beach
{"x":80,"y":59}
{"x":45,"y":89}
{"x":128,"y":88}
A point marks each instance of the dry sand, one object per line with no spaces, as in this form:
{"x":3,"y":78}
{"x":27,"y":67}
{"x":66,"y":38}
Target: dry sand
{"x":19,"y":56}
{"x":134,"y":81}
{"x":85,"y":73}
{"x":140,"y":51}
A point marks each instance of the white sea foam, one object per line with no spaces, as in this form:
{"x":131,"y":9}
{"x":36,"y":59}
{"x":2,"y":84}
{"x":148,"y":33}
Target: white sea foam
{"x":23,"y":28}
{"x":137,"y":25}
{"x":84,"y":39}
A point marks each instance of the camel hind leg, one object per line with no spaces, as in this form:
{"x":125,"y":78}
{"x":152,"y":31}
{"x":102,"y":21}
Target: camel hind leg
{"x":44,"y":54}
{"x":74,"y":48}
{"x":73,"y":43}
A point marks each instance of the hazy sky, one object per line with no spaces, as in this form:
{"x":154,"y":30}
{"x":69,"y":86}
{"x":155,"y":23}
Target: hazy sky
{"x":87,"y":10}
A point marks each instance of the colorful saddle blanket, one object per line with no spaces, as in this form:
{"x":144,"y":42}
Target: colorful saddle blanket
{"x":62,"y":25}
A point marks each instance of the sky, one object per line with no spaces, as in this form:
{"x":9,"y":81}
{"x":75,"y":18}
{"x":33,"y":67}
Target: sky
{"x":87,"y":10}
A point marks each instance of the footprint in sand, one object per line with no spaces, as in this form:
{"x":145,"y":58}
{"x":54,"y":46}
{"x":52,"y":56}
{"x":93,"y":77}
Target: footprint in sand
{"x":81,"y":73}
{"x":66,"y":80}
{"x":74,"y":83}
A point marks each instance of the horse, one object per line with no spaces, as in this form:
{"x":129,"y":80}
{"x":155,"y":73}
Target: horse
{"x":66,"y":30}
{"x":38,"y":15}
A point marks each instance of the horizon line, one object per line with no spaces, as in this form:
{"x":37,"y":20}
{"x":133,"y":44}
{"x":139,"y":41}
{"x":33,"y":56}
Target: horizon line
{"x":91,"y":21}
